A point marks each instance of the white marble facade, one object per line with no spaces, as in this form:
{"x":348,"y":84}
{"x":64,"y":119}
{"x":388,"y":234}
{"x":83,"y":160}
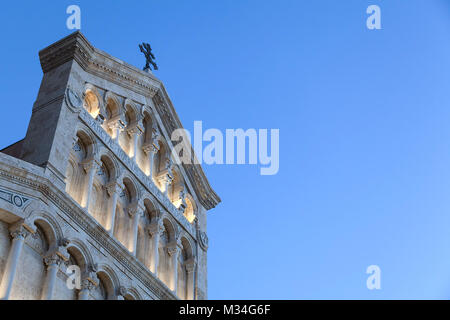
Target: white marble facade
{"x":94,"y":184}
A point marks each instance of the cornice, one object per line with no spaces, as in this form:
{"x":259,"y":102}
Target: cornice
{"x":206,"y":195}
{"x":77,"y":47}
{"x":72,"y":210}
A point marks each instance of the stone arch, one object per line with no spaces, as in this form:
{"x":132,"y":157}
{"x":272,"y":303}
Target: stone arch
{"x":80,"y":253}
{"x":133,"y":187}
{"x":161,"y":164}
{"x":125,"y":209}
{"x":145,"y":141}
{"x":76,"y":177}
{"x":132,"y":294}
{"x":190,"y":212}
{"x":149,"y":124}
{"x":108,"y":284}
{"x":167,"y":239}
{"x":131,"y":111}
{"x":92,"y":101}
{"x":50,"y":227}
{"x":186,"y":255}
{"x":112,"y":105}
{"x":89,"y":140}
{"x":106,"y":174}
{"x":176,"y":187}
{"x":170,"y":227}
{"x":188,"y":246}
{"x":113,"y":115}
{"x":144,"y":252}
{"x":115,"y":172}
{"x":130,"y":119}
{"x":31,"y":269}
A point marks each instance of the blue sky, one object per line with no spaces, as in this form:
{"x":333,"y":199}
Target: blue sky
{"x":364,"y":131}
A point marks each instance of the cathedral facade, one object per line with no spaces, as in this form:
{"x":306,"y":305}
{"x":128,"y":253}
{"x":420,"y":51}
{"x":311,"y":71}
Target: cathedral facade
{"x":93,"y":204}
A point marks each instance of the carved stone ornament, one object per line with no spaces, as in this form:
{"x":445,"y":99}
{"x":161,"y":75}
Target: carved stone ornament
{"x":73,"y":100}
{"x":203,"y":240}
{"x":122,"y":291}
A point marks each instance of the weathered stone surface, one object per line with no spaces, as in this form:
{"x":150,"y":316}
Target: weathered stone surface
{"x":94,"y":185}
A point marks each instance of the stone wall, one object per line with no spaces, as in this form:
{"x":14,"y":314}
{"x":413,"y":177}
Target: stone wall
{"x":94,"y":185}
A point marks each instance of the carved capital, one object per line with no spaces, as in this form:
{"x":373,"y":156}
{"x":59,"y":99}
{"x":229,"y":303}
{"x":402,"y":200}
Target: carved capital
{"x":135,"y":129}
{"x":53,"y":259}
{"x":150,"y":147}
{"x":116,"y":124}
{"x":56,"y":255}
{"x":173,"y":250}
{"x":155,"y":228}
{"x":175,"y":246}
{"x":88,"y":285}
{"x":89,"y":277}
{"x":165,"y":177}
{"x":90,"y":164}
{"x":135,"y":208}
{"x":190,"y":265}
{"x":20,"y":230}
{"x":113,"y":188}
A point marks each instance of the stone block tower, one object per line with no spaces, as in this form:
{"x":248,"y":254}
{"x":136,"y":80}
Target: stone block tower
{"x":95,"y":187}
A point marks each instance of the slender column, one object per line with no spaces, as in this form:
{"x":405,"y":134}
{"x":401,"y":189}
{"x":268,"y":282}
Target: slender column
{"x":18,"y":233}
{"x":150,"y":150}
{"x":53,"y":261}
{"x":190,"y":267}
{"x":90,"y":167}
{"x":116,"y":126}
{"x":155,"y":230}
{"x":113,"y":191}
{"x":174,"y":251}
{"x":135,"y":213}
{"x":134,"y":133}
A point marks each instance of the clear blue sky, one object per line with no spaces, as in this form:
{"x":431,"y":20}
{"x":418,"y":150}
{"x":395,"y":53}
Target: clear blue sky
{"x":364,"y":119}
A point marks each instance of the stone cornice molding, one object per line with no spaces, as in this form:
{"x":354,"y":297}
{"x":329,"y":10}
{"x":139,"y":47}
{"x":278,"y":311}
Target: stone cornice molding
{"x":77,"y":47}
{"x":86,"y":222}
{"x":206,"y":195}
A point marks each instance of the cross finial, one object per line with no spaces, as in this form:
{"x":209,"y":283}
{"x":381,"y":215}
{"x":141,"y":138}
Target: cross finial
{"x":149,"y":56}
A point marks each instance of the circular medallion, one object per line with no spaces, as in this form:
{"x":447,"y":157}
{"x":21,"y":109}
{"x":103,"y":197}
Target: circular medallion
{"x":203,"y":240}
{"x":73,"y":99}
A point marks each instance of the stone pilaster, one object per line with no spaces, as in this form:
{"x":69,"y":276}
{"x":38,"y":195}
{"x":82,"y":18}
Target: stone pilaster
{"x":134,"y":132}
{"x":19,"y":231}
{"x":90,"y":167}
{"x":53,"y":260}
{"x":113,"y":190}
{"x":155,"y":229}
{"x":190,"y":270}
{"x":174,"y":250}
{"x":135,"y":212}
